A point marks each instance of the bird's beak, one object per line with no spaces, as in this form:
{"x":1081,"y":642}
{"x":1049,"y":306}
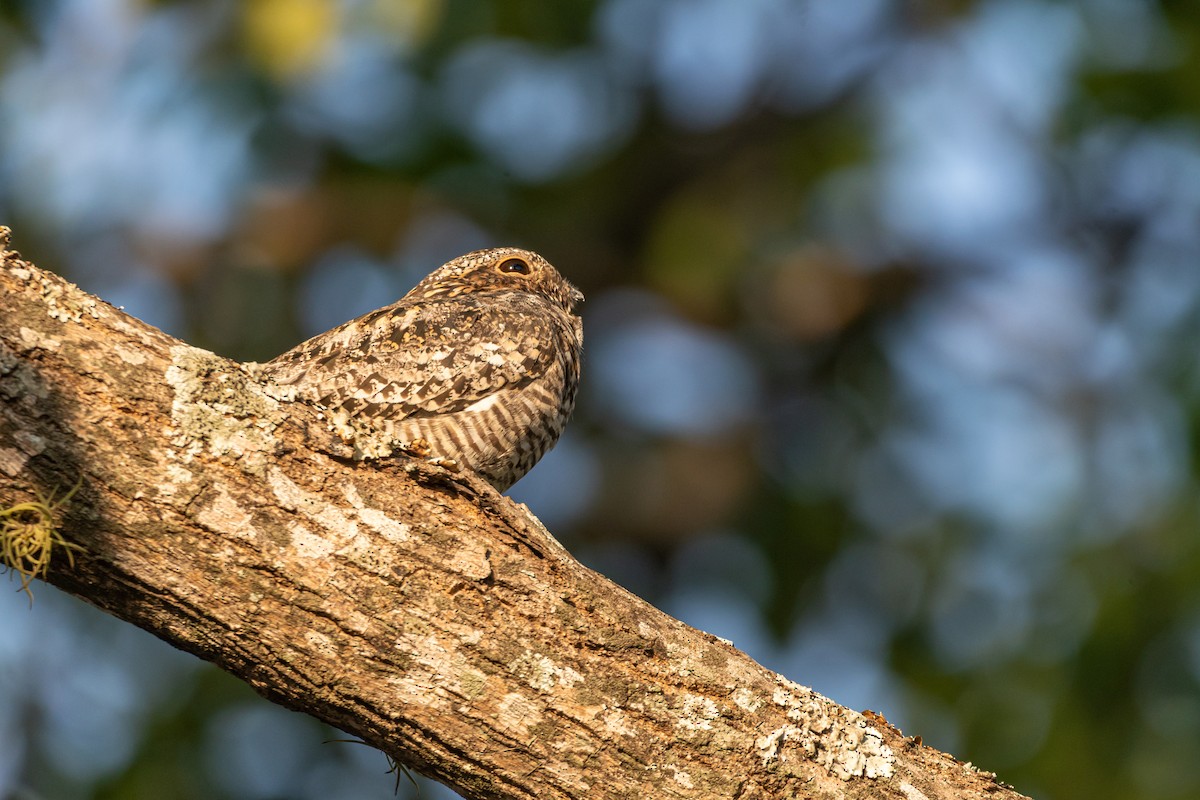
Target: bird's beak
{"x":574,"y":297}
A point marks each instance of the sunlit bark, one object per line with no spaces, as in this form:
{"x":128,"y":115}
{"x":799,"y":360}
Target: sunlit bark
{"x":415,"y":608}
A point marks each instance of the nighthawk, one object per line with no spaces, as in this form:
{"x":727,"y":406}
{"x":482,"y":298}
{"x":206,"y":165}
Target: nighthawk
{"x":476,"y":367}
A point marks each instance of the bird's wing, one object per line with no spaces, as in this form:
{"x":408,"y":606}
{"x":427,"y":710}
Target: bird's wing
{"x":437,"y":357}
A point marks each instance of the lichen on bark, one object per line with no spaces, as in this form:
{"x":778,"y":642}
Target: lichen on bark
{"x":220,"y":408}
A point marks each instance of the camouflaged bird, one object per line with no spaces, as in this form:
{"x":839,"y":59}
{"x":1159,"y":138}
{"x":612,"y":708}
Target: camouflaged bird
{"x":476,"y":367}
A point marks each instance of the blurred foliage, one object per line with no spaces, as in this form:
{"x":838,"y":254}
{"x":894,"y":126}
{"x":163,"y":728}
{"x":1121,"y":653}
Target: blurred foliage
{"x":892,"y":310}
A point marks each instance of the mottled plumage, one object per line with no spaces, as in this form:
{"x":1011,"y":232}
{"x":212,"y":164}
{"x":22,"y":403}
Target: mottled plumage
{"x":477,"y":365}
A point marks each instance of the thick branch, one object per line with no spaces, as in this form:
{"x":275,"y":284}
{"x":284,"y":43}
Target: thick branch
{"x":412,"y":607}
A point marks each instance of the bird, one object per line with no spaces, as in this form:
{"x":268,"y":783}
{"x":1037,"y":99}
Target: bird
{"x":476,"y":367}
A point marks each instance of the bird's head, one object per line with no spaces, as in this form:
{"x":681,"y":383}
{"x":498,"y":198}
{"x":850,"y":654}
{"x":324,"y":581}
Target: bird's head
{"x":499,"y":269}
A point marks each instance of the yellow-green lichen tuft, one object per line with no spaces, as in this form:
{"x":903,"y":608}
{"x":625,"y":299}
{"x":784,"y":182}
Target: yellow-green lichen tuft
{"x":29,"y":537}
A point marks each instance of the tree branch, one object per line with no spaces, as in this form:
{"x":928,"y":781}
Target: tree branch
{"x":415,"y":608}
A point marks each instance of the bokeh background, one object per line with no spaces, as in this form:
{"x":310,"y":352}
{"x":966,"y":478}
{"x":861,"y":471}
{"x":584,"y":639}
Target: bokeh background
{"x":892,"y":331}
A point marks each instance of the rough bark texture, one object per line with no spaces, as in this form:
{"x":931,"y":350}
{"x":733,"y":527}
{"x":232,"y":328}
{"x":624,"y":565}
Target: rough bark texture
{"x":415,"y":608}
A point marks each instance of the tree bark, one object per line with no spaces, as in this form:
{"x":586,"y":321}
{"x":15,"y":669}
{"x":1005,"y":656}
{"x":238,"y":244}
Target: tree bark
{"x":410,"y":606}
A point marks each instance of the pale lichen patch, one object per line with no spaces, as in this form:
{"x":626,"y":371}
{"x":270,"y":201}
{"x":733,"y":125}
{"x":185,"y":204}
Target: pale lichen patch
{"x":12,"y":461}
{"x":471,"y":561}
{"x":39,"y":340}
{"x":376,"y":519}
{"x":343,"y":534}
{"x":745,"y":699}
{"x":615,"y":721}
{"x":543,"y":674}
{"x":838,"y":739}
{"x":518,"y":714}
{"x":307,"y":544}
{"x":357,"y":622}
{"x":225,"y":515}
{"x":320,"y":643}
{"x":912,"y":792}
{"x":340,"y":534}
{"x":177,"y":477}
{"x":435,"y":668}
{"x":130,"y":356}
{"x":217,"y":408}
{"x":29,"y":442}
{"x":290,"y":496}
{"x":65,"y":302}
{"x":681,"y":777}
{"x":473,"y":683}
{"x":698,"y":713}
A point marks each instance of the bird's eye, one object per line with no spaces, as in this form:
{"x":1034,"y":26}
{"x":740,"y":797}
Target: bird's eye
{"x":516,"y":265}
